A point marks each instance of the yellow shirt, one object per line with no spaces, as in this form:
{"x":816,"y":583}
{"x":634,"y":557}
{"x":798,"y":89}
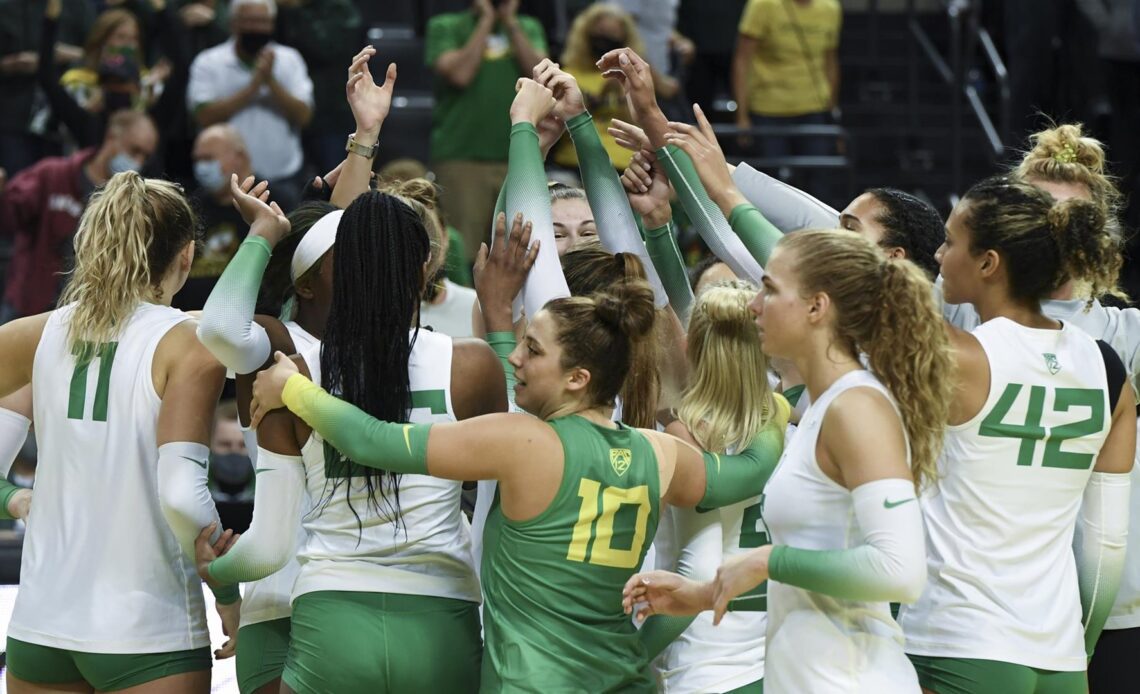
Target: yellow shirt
{"x":604,"y":101}
{"x":787,"y":76}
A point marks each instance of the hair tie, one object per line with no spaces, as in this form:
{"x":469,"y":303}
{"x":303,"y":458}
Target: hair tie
{"x":1067,"y":155}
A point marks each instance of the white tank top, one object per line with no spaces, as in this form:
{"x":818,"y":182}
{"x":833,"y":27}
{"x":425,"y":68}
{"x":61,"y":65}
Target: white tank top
{"x":270,"y":598}
{"x":999,"y":523}
{"x":428,"y":552}
{"x":850,"y":643}
{"x":101,"y":570}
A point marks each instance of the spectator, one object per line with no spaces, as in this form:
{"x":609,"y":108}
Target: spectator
{"x":477,"y":56}
{"x":219,"y":152}
{"x":595,"y":32}
{"x":656,"y":21}
{"x":786,"y":69}
{"x":231,"y":470}
{"x":712,"y":27}
{"x":205,"y":23}
{"x":22,"y":140}
{"x":41,"y":207}
{"x":113,"y":76}
{"x":263,"y":89}
{"x":326,"y":32}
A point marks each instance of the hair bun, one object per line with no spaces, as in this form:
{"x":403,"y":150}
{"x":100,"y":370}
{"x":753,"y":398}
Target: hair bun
{"x":421,"y":190}
{"x":1067,"y":144}
{"x":627,"y":307}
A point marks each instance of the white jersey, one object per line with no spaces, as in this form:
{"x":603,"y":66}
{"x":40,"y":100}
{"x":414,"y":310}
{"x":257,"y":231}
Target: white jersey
{"x":1000,"y":521}
{"x":102,"y":572}
{"x":818,"y":643}
{"x":453,"y":315}
{"x":270,"y":598}
{"x":426,"y":550}
{"x":707,"y":658}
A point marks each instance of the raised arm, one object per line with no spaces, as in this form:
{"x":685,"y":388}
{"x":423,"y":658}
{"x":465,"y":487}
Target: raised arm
{"x":648,"y":190}
{"x":786,"y":207}
{"x":528,"y":50}
{"x":456,"y":62}
{"x":370,"y":104}
{"x":228,"y":329}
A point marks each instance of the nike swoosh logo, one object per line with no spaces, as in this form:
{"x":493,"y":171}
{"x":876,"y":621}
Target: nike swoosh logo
{"x":892,"y":504}
{"x":260,"y":470}
{"x":200,"y":463}
{"x":407,"y":439}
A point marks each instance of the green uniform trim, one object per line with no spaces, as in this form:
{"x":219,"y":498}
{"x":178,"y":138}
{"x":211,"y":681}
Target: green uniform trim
{"x":503,"y":342}
{"x":666,"y":256}
{"x":226,"y":594}
{"x":261,"y":652}
{"x":756,"y":687}
{"x":362,"y":438}
{"x":344,"y":641}
{"x":977,"y":676}
{"x":105,"y":672}
{"x":758,"y":234}
{"x":7,"y":491}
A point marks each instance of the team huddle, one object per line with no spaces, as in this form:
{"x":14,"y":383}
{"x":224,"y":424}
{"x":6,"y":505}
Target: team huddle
{"x":858,"y":452}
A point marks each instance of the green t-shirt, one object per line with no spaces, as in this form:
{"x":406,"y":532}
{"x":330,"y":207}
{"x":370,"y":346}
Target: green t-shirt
{"x":553,"y":618}
{"x":474,"y":123}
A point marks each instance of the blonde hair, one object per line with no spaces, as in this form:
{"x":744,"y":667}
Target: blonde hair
{"x":728,"y":399}
{"x":422,"y":196}
{"x":577,"y":54}
{"x":130,"y":233}
{"x":885,"y":309}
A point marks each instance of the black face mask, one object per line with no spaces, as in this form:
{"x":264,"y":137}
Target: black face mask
{"x":600,"y":45}
{"x":232,"y":472}
{"x":252,"y":43}
{"x":116,"y":101}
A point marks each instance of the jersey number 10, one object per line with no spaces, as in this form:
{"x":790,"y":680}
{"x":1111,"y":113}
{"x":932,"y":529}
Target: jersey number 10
{"x":601,"y":526}
{"x":1031,"y":431}
{"x":77,"y":396}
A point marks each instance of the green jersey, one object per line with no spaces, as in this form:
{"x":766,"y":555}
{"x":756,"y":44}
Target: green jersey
{"x":553,"y":619}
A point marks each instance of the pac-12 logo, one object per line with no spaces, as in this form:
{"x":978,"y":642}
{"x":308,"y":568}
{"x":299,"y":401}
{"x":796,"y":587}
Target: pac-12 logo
{"x":620,"y":458}
{"x":1051,"y":363}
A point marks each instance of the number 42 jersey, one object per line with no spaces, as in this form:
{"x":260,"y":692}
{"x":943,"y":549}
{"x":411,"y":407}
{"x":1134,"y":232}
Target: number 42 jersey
{"x":1000,"y":519}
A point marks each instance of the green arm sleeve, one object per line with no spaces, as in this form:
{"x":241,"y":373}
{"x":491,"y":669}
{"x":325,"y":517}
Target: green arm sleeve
{"x":707,"y":218}
{"x":7,"y":491}
{"x":758,"y":234}
{"x":362,"y":438}
{"x":661,"y":630}
{"x":504,"y":343}
{"x":662,"y":246}
{"x":617,"y":227}
{"x":227,"y":327}
{"x":730,"y":479}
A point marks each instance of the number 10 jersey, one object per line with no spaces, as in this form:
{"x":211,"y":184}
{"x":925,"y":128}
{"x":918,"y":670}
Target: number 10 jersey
{"x":1002,"y":578}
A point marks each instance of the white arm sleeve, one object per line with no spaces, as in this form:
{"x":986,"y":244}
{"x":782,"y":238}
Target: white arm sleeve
{"x":272,"y":536}
{"x":13,"y":433}
{"x":1099,"y":547}
{"x":787,"y":208}
{"x":184,"y":492}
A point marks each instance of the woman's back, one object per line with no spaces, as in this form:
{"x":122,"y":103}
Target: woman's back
{"x":96,"y":485}
{"x":553,"y":619}
{"x":1010,"y":485}
{"x":425,"y":549}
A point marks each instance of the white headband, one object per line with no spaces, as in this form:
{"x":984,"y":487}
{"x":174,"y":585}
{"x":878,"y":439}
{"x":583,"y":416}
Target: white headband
{"x":317,"y":241}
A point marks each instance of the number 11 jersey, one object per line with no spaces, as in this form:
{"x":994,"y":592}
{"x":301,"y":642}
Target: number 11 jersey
{"x":1002,"y":578}
{"x":101,"y":570}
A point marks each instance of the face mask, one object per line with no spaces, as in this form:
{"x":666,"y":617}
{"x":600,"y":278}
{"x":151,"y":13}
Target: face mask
{"x":231,"y":471}
{"x":600,"y":45}
{"x":116,"y":101}
{"x":208,"y":173}
{"x":252,"y":43}
{"x":122,"y":162}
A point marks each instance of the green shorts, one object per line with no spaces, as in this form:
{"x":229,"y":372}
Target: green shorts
{"x":261,"y":652}
{"x":105,"y":672}
{"x":756,"y":687}
{"x":383,"y":642}
{"x":976,"y":676}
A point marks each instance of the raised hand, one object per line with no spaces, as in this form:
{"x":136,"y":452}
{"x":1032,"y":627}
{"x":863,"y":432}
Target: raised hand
{"x":647,"y":188}
{"x":636,"y":78}
{"x":664,"y":592}
{"x":532,"y":102}
{"x":500,"y":271}
{"x":263,"y":67}
{"x":370,"y":102}
{"x":701,"y":145}
{"x":628,"y":135}
{"x":565,"y":88}
{"x":268,"y":386}
{"x":265,"y":218}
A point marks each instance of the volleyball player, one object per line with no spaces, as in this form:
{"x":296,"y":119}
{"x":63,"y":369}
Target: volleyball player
{"x":123,"y":399}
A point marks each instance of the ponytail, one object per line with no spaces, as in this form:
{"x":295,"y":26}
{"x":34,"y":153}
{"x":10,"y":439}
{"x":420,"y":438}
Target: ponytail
{"x":131,"y":231}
